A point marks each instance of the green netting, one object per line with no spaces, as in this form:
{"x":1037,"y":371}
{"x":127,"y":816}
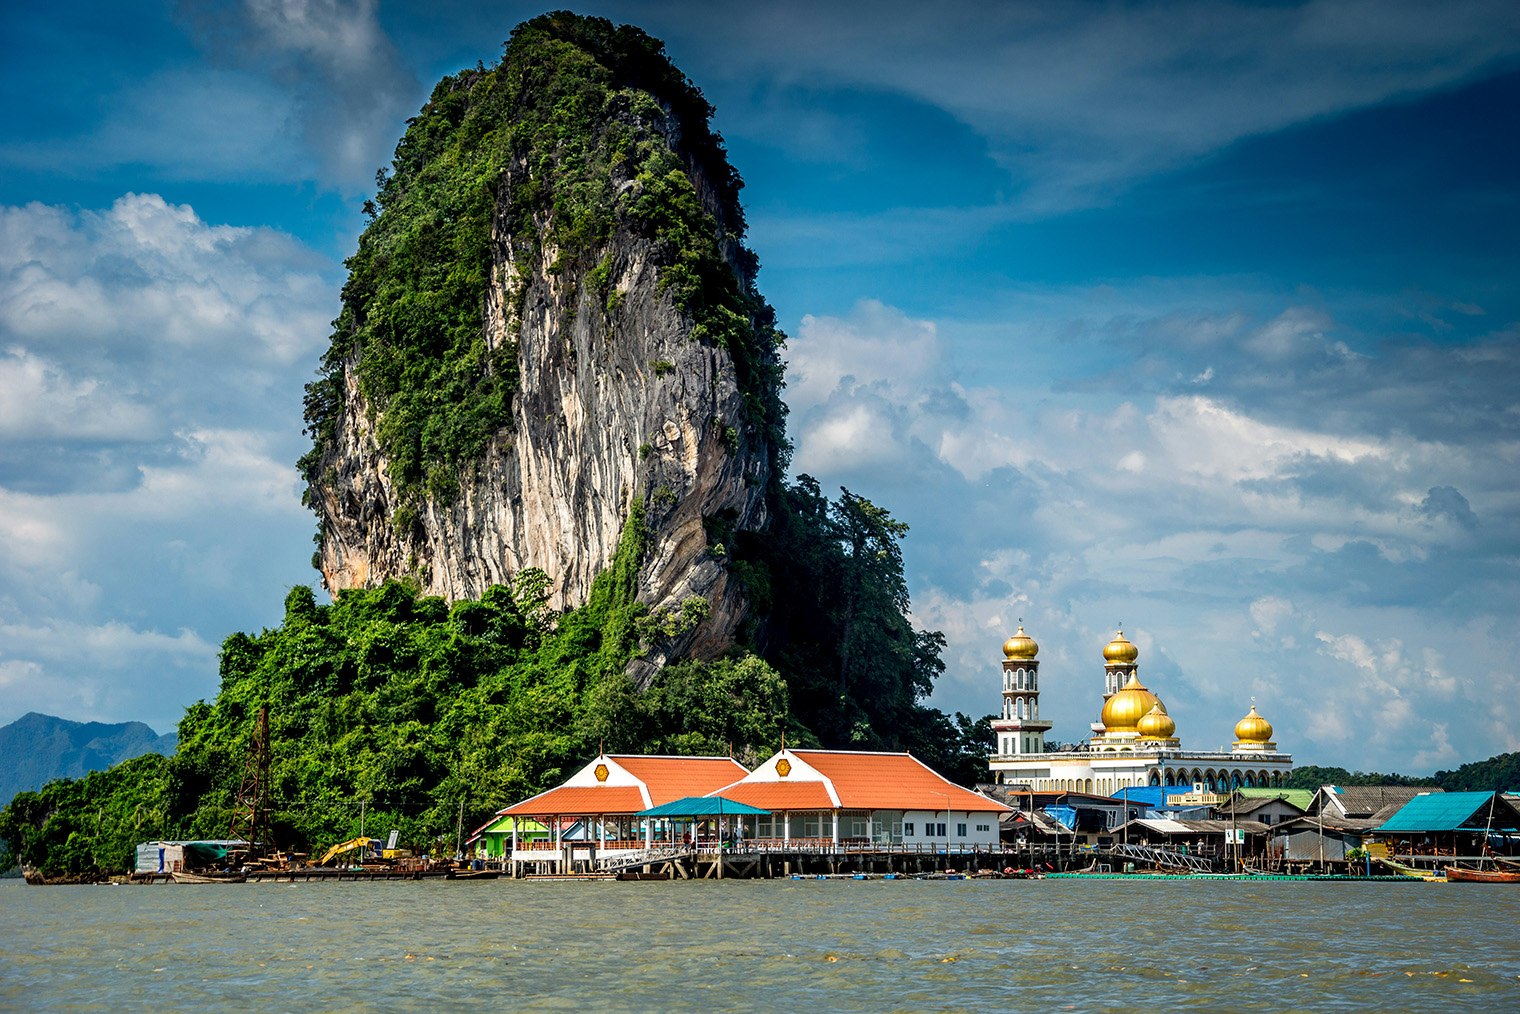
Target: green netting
{"x":203,"y":853}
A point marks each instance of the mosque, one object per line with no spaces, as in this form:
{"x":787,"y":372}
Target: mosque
{"x":1135,"y":742}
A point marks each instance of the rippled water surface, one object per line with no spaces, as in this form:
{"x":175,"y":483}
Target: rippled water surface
{"x":762,"y":945}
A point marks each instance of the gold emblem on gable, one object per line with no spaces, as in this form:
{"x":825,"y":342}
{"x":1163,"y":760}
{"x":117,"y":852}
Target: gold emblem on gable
{"x":783,"y":767}
{"x":601,"y":772}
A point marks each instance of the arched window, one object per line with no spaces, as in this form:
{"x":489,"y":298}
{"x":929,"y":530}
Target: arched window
{"x":1155,"y":778}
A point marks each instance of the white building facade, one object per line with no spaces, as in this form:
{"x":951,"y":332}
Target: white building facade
{"x":1134,"y":743}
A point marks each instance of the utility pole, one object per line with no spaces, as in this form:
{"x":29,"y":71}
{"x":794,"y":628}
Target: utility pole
{"x":459,"y":831}
{"x":362,"y":804}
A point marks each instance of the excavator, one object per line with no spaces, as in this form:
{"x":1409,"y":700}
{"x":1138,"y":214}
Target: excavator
{"x":372,"y":851}
{"x":349,"y":846}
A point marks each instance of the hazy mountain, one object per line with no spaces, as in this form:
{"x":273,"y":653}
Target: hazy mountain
{"x":35,"y":749}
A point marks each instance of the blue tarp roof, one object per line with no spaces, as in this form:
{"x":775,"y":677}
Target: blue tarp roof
{"x":1451,"y":811}
{"x":701,"y":806}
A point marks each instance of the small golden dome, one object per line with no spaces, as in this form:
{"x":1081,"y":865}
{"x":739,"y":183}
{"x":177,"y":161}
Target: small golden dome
{"x":1253,"y":728}
{"x":1123,"y":711}
{"x":1020,"y":646}
{"x":1157,"y":724}
{"x":1120,"y":651}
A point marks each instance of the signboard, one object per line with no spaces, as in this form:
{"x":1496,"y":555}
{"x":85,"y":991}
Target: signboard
{"x":1236,"y":836}
{"x":1196,"y":799}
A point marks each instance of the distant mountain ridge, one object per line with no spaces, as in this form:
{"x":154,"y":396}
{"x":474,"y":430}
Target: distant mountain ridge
{"x":35,"y":749}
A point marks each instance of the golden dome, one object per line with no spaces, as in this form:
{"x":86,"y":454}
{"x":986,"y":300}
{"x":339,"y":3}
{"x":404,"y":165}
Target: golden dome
{"x":1157,"y":724}
{"x":1123,"y":711}
{"x":1120,"y":651}
{"x":1253,"y":728}
{"x":1020,"y":646}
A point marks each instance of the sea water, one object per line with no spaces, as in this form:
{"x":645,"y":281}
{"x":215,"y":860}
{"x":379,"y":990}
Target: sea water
{"x":780,"y":945}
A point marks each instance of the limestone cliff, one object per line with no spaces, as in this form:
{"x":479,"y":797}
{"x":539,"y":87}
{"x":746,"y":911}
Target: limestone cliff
{"x":619,"y":359}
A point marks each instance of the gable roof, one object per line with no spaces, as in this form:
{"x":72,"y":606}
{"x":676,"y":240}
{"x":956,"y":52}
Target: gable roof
{"x":1366,"y":800}
{"x":672,"y":778}
{"x":853,"y":780}
{"x":1453,"y":811}
{"x":1254,"y":804}
{"x":1301,"y":798}
{"x":623,"y":784}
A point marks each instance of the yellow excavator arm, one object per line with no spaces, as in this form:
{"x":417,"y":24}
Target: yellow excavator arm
{"x":347,"y":846}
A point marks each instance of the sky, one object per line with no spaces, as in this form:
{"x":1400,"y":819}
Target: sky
{"x":1198,"y":317}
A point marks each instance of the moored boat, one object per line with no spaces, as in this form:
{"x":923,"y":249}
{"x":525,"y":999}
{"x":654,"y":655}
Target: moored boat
{"x":1482,"y":876}
{"x":212,"y":878}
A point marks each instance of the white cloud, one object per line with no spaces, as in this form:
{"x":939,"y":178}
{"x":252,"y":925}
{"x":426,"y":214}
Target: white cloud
{"x":1268,"y":548}
{"x":150,"y":386}
{"x":37,"y":401}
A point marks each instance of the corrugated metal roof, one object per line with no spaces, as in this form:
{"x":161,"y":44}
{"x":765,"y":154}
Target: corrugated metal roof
{"x":1365,"y":800}
{"x":1451,"y":811}
{"x":1300,"y":798}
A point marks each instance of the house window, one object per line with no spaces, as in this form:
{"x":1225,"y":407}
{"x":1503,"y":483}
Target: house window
{"x":960,"y":830}
{"x":908,"y":827}
{"x":984,"y":827}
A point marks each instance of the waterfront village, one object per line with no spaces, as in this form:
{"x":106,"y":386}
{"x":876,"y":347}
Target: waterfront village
{"x":1128,"y":801}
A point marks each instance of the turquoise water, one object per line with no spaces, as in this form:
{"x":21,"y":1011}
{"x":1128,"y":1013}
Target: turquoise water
{"x":762,"y":946}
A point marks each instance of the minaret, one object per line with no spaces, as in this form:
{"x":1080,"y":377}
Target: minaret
{"x":1020,"y":730}
{"x":1118,"y":664}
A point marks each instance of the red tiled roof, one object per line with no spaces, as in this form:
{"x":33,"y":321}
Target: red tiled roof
{"x":891,"y":781}
{"x":783,"y":795}
{"x":671,"y":778}
{"x":580,"y":800}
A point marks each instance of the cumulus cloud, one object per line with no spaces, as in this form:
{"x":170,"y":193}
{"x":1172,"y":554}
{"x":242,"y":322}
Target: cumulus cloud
{"x":1268,"y":548}
{"x":150,"y":375}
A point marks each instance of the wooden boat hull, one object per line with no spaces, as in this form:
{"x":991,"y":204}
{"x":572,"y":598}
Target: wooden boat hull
{"x":473,"y":874}
{"x":1482,"y":876}
{"x":197,"y":878}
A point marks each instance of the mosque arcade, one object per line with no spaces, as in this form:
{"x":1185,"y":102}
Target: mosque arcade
{"x":1134,"y":744}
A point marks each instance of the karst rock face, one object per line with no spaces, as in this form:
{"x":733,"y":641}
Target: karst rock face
{"x":621,"y":405}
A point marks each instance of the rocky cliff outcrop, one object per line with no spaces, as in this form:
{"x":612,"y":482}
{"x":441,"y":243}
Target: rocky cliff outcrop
{"x":637,"y":386}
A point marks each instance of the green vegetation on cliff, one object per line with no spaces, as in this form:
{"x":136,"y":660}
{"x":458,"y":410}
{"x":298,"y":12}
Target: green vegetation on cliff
{"x":582,"y":129}
{"x":582,"y":134}
{"x":412,"y":706}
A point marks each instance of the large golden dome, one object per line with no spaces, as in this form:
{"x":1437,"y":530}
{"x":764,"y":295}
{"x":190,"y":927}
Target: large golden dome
{"x":1123,"y":711}
{"x":1120,"y":651}
{"x":1253,"y":728}
{"x":1157,"y":724}
{"x":1020,"y":646}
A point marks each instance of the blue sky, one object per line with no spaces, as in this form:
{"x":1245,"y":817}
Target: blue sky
{"x":1198,"y":316}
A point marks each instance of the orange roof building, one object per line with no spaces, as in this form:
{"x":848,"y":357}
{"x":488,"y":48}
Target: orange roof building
{"x":888,"y":798}
{"x":620,"y":785}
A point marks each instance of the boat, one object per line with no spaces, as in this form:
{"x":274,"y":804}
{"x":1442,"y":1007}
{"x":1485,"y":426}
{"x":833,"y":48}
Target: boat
{"x":209,"y":878}
{"x":472,"y":875}
{"x":1463,"y":873}
{"x":1400,"y":868}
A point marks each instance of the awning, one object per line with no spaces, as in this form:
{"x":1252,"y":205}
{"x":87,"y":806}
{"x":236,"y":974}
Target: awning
{"x":702,"y":806}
